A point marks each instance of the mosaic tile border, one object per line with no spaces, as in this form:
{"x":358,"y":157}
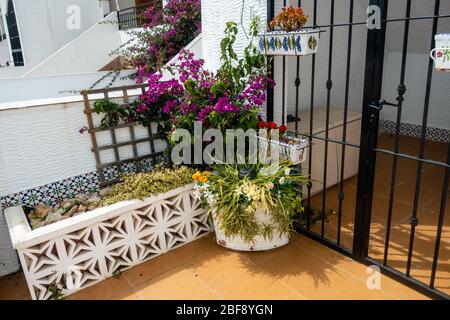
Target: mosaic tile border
{"x":55,"y":192}
{"x":415,"y":130}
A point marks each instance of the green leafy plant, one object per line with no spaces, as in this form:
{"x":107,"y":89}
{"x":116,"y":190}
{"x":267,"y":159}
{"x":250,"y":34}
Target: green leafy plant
{"x":56,"y":289}
{"x":234,"y":192}
{"x":236,"y":71}
{"x":142,"y":185}
{"x":114,"y":114}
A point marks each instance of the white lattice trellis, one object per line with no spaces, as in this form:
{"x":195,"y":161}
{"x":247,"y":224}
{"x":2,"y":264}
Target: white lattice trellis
{"x":86,"y":249}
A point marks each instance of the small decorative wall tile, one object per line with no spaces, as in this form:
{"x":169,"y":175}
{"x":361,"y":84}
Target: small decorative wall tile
{"x":32,"y":197}
{"x":414,"y":130}
{"x":129,"y":168}
{"x":55,"y":192}
{"x":10,"y":200}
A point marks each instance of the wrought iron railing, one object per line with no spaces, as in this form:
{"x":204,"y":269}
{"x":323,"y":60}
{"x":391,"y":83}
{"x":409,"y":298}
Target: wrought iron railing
{"x":325,"y":81}
{"x":134,"y":17}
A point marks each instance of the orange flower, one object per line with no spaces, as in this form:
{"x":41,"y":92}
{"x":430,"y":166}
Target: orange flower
{"x":289,"y":19}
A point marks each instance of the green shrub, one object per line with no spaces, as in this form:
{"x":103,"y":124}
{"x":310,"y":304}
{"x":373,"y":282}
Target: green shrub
{"x":142,"y":185}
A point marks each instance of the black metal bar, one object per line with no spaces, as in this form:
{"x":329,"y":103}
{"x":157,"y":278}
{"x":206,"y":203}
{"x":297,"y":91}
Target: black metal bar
{"x":271,"y":66}
{"x":401,"y":92}
{"x":387,"y":271}
{"x":440,"y":221}
{"x":283,"y":97}
{"x":409,"y":157}
{"x":410,"y":282}
{"x":348,"y":144}
{"x":297,"y":86}
{"x":311,"y":124}
{"x":369,"y":133}
{"x":414,"y":220}
{"x":131,"y":17}
{"x":341,"y":194}
{"x":364,"y":23}
{"x":297,"y":92}
{"x":329,"y":86}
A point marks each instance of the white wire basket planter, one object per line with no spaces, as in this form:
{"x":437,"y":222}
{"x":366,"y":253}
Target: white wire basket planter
{"x":289,"y":148}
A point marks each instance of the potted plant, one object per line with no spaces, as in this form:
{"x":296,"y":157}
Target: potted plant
{"x":252,"y":206}
{"x":289,"y":148}
{"x":288,"y":35}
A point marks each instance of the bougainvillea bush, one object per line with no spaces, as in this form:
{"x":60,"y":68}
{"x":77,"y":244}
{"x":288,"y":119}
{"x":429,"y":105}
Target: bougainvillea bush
{"x":229,"y":99}
{"x":165,"y":32}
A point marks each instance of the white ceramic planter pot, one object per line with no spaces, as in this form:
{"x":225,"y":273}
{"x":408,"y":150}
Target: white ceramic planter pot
{"x":297,"y":43}
{"x":441,"y":54}
{"x":78,"y":252}
{"x":259,"y":243}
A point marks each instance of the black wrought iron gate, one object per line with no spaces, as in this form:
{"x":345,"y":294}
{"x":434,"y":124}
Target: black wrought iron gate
{"x":353,"y":237}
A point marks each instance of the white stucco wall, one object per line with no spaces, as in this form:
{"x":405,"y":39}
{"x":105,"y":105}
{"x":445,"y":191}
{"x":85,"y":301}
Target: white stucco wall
{"x":40,"y":144}
{"x":416,"y":66}
{"x":5,"y":53}
{"x":43,"y":28}
{"x":32,"y":88}
{"x":215,"y":14}
{"x":89,"y":52}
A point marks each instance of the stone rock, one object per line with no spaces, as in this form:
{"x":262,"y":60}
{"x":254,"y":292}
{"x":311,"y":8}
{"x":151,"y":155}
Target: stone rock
{"x":105,"y":192}
{"x":54,"y":217}
{"x":92,"y":207}
{"x":68,"y":206}
{"x":47,"y":223}
{"x":82,"y":197}
{"x":93,"y":201}
{"x":41,"y":211}
{"x":35,"y":223}
{"x":64,"y":203}
{"x":72,"y":211}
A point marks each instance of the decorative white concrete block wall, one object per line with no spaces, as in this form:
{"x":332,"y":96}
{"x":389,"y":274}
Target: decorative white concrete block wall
{"x":76,"y":253}
{"x":9,"y":261}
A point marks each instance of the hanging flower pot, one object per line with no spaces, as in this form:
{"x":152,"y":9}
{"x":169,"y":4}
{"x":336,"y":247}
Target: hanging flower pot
{"x":296,"y":43}
{"x":292,"y":39}
{"x":441,"y":54}
{"x":288,"y":148}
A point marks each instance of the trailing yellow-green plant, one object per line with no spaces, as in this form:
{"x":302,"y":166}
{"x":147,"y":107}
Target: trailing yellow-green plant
{"x":234,"y":192}
{"x":142,"y":185}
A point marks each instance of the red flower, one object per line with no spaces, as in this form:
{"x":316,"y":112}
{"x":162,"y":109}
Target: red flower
{"x":272,"y":125}
{"x":283,"y":128}
{"x":261,"y":124}
{"x":440,"y":54}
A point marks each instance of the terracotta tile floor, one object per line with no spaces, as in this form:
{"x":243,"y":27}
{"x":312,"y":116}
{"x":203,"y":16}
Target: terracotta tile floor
{"x":427,"y":212}
{"x":202,"y":270}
